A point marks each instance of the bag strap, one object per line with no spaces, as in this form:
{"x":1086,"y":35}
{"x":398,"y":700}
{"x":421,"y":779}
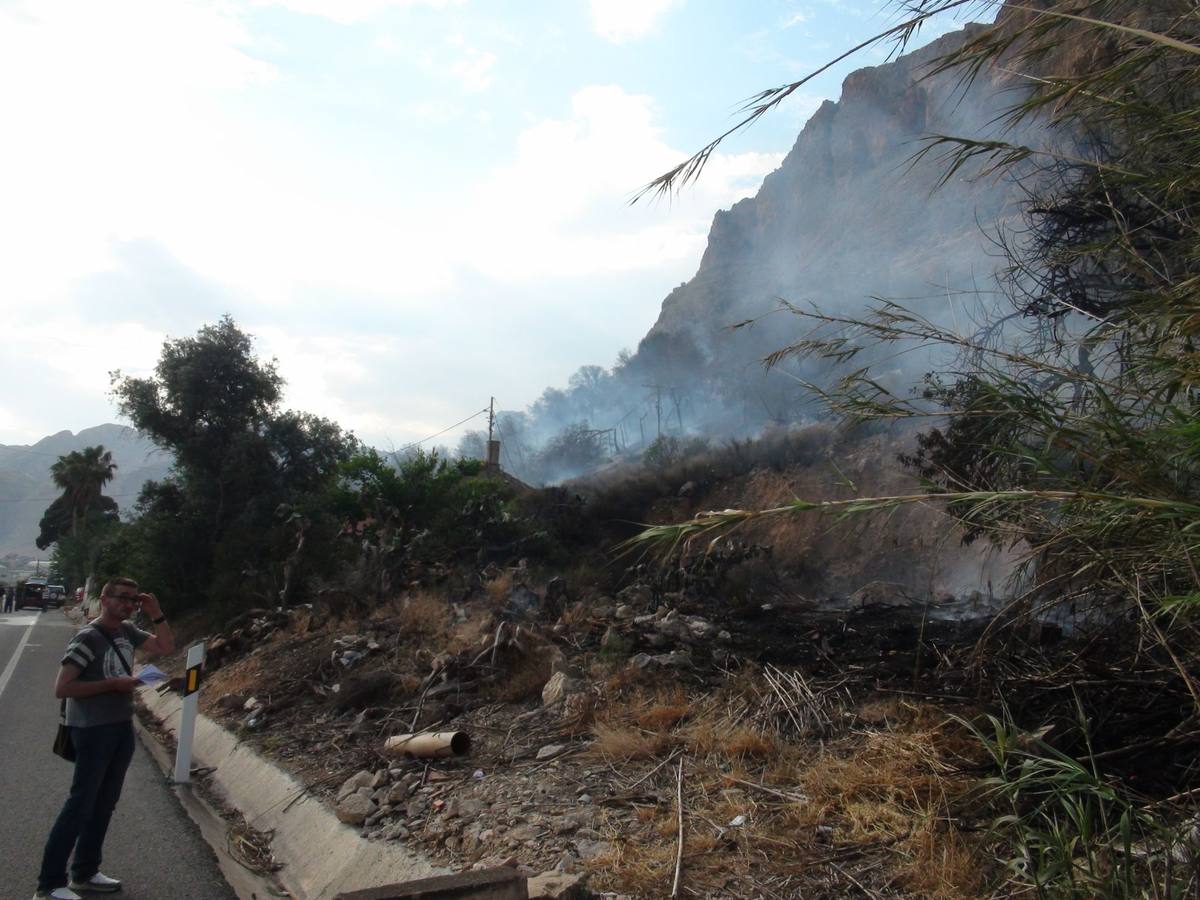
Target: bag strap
{"x":113,"y":644}
{"x":62,"y":706}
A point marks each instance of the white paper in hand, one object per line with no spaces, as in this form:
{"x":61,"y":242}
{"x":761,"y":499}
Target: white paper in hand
{"x":149,"y":674}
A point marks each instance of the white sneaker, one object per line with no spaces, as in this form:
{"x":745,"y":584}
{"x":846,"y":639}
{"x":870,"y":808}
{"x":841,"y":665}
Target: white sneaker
{"x":57,"y":894}
{"x":98,"y":882}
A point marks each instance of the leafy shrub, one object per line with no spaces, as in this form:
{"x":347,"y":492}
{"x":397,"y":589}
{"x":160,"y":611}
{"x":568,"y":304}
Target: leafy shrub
{"x":667,"y":450}
{"x":577,"y":448}
{"x":426,"y":509}
{"x":1066,"y":832}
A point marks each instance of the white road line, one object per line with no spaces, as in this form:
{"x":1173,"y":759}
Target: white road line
{"x":19,"y":621}
{"x":12,"y":663}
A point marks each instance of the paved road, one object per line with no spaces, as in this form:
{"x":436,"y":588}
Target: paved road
{"x":152,"y":846}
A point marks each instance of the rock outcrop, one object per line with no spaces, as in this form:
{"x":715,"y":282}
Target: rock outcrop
{"x":848,"y":216}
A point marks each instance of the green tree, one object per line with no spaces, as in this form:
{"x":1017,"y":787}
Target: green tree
{"x":82,"y":475}
{"x":472,"y":445}
{"x":78,"y":521}
{"x":248,"y":490}
{"x":575,"y":449}
{"x":421,"y":509}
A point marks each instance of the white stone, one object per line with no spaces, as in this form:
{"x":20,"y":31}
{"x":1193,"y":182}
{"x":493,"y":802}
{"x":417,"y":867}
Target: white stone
{"x":354,"y":782}
{"x":354,"y":809}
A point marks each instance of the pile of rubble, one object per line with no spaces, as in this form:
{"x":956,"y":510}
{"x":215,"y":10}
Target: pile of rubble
{"x":533,"y":789}
{"x":245,"y":632}
{"x":479,"y":819}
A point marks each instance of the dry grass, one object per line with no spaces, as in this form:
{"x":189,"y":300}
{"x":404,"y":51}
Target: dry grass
{"x":497,"y":589}
{"x":524,"y":677}
{"x":242,"y":676}
{"x":710,"y":734}
{"x":664,"y":711}
{"x":942,"y":865}
{"x":476,"y":632}
{"x":576,"y":616}
{"x":879,"y":799}
{"x":885,"y":779}
{"x":905,"y":545}
{"x":623,"y":743}
{"x":425,"y":615}
{"x":882,"y":711}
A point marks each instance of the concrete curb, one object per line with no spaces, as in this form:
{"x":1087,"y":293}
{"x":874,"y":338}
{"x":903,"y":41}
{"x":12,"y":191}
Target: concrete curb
{"x":321,"y":856}
{"x":246,"y":884}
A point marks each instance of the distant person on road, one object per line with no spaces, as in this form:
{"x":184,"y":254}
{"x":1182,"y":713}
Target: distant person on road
{"x":97,"y":681}
{"x":10,"y":597}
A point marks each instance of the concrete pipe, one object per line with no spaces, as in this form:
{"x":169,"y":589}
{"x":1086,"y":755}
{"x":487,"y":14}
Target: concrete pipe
{"x":428,"y":746}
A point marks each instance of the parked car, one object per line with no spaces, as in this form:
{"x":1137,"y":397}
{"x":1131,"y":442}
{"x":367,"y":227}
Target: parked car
{"x":32,"y":592}
{"x":56,"y":595}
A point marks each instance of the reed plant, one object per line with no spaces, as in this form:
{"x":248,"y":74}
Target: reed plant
{"x":1065,"y":417}
{"x":1066,"y":831}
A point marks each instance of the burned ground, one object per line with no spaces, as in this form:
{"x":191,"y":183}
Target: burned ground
{"x":809,"y":722}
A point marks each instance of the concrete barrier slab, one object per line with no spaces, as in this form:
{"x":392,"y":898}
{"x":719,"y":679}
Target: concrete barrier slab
{"x":486,"y":884}
{"x":322,"y":857}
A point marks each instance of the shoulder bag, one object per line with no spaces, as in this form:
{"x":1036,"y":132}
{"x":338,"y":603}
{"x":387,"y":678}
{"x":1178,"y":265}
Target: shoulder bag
{"x":62,"y":738}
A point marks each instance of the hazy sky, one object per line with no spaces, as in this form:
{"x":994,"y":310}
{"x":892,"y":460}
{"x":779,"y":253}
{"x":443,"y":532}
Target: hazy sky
{"x":412,"y":204}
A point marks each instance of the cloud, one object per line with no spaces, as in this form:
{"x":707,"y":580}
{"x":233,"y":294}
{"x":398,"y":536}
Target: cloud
{"x":164,"y":187}
{"x":625,"y":20}
{"x":469,"y":66}
{"x":71,"y":363}
{"x":349,"y":12}
{"x":147,"y":284}
{"x":190,"y":45}
{"x":561,"y":206}
{"x":119,"y":123}
{"x":473,"y":68}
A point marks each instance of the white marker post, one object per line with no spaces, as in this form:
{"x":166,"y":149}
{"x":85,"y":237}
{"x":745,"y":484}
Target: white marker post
{"x":187,"y":717}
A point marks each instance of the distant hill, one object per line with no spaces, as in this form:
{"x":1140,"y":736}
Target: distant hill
{"x":26,"y":489}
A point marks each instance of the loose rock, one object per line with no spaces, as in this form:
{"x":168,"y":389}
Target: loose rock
{"x":354,"y":809}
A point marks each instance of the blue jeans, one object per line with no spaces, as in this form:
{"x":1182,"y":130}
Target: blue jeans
{"x":103,"y":753}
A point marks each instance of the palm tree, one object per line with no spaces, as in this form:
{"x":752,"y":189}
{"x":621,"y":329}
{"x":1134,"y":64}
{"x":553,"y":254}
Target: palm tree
{"x":82,"y":475}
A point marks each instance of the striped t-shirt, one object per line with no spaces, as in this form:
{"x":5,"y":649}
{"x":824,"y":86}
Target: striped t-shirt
{"x":92,"y":652}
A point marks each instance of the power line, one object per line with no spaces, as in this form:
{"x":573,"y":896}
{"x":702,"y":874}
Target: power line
{"x":136,"y":493}
{"x":59,"y":497}
{"x":440,"y":433}
{"x":5,"y":450}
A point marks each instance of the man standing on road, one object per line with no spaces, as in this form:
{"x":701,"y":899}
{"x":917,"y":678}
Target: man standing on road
{"x":97,"y":681}
{"x":8,"y":599}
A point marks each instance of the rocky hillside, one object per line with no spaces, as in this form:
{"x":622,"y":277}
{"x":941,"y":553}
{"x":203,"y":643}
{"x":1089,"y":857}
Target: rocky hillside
{"x":849,"y":216}
{"x":26,"y":489}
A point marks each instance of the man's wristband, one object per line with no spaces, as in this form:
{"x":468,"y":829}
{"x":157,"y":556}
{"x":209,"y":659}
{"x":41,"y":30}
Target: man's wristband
{"x":158,"y":621}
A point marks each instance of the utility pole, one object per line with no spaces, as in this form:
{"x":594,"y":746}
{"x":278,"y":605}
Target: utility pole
{"x":658,"y":389}
{"x":493,"y":446}
{"x":678,"y":413}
